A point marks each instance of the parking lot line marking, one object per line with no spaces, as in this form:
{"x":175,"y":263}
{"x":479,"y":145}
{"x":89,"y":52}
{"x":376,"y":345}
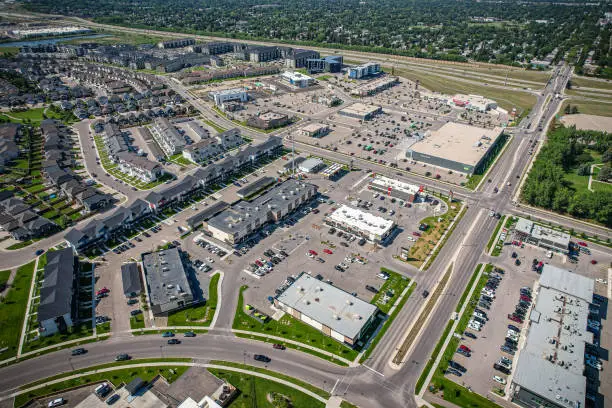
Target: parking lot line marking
{"x":373,"y":370}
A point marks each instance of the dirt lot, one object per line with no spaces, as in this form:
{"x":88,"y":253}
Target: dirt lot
{"x":588,"y":122}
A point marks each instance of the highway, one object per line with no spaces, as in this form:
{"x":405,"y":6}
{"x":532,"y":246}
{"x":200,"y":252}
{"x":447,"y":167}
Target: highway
{"x":375,"y":383}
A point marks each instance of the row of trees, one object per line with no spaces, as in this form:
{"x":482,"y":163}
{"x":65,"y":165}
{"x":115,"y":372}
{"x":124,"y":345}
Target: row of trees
{"x":568,"y":150}
{"x":420,"y":28}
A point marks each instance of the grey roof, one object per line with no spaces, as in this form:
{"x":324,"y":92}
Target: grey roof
{"x":554,"y":369}
{"x":327,"y":304}
{"x":311,"y":165}
{"x":56,"y":292}
{"x":207,"y":213}
{"x":560,"y":279}
{"x":255,"y":186}
{"x":166,"y":277}
{"x":138,"y":161}
{"x":296,"y":162}
{"x":130,"y":278}
{"x":134,"y":385}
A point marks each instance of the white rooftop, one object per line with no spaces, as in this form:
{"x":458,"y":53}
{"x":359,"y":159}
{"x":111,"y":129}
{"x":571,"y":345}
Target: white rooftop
{"x":328,"y":305}
{"x":567,"y":282}
{"x":386,"y":183}
{"x":549,"y":234}
{"x":230,"y":91}
{"x":295,"y":76}
{"x":361,"y":220}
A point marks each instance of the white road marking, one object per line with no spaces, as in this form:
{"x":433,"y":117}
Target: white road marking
{"x":373,"y":370}
{"x":334,"y":388}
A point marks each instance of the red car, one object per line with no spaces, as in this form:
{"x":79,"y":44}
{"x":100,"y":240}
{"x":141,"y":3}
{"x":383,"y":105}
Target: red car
{"x":465,"y":348}
{"x":515,"y":318}
{"x":102,"y":291}
{"x":582,"y":243}
{"x":278,"y":346}
{"x":313,"y":252}
{"x":327,"y":251}
{"x":416,"y":234}
{"x":526,"y":298}
{"x":593,"y":261}
{"x":258,"y":263}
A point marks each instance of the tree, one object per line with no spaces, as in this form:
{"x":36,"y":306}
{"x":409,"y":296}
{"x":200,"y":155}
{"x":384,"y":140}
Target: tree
{"x":606,"y":157}
{"x":584,"y":170}
{"x":568,"y":109}
{"x":574,"y":110}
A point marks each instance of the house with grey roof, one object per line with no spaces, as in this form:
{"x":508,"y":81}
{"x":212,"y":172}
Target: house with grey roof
{"x":57,"y":307}
{"x":130,"y":277}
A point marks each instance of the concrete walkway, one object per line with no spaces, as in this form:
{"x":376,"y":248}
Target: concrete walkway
{"x":9,"y":282}
{"x":28,"y":308}
{"x":166,"y":364}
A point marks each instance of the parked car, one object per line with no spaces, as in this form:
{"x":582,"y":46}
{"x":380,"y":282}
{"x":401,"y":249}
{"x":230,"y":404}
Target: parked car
{"x":469,"y":334}
{"x":136,"y":312}
{"x":371,"y":288}
{"x":39,"y":252}
{"x":498,"y":379}
{"x":57,"y":402}
{"x":113,"y":398}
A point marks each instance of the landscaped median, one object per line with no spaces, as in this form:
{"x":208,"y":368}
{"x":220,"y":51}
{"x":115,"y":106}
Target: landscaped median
{"x":453,"y":392}
{"x":494,"y":236}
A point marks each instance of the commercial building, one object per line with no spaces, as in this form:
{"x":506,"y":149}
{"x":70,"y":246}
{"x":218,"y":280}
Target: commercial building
{"x":361,"y":111}
{"x":311,"y":165}
{"x":244,"y":218}
{"x":394,"y":188}
{"x":130,"y":277}
{"x":226,"y":95}
{"x":532,"y":233}
{"x":361,"y":223}
{"x":167,"y":282}
{"x":375,"y":86}
{"x":331,"y":63}
{"x":50,"y":31}
{"x":297,"y":58}
{"x":297,"y":79}
{"x":365,"y":70}
{"x":315,"y":130}
{"x":268,"y":120}
{"x":473,"y":102}
{"x":57,"y":304}
{"x":140,"y":167}
{"x":331,"y":310}
{"x":455,"y":146}
{"x":550,"y":366}
{"x":167,"y":136}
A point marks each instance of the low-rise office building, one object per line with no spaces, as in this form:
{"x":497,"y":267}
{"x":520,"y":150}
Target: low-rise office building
{"x":226,"y":95}
{"x":297,"y":58}
{"x":332,"y":63}
{"x":550,"y":367}
{"x":532,"y":233}
{"x":331,"y":310}
{"x":472,"y":102}
{"x":167,"y":136}
{"x":361,"y":223}
{"x":394,"y":188}
{"x":375,"y":86}
{"x":311,"y":165}
{"x":297,"y":79}
{"x":268,"y":120}
{"x":57,"y":306}
{"x":315,"y":130}
{"x":361,"y":111}
{"x":365,"y":70}
{"x":167,"y":281}
{"x":458,"y":147}
{"x":244,"y":218}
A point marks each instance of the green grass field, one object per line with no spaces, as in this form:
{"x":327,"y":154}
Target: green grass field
{"x":200,"y":315}
{"x":13,"y":310}
{"x":255,"y":392}
{"x":80,"y":331}
{"x":4,"y":276}
{"x":137,"y":322}
{"x":585,"y":82}
{"x":589,"y":107}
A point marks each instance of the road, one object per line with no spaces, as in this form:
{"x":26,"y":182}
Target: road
{"x":376,"y":383}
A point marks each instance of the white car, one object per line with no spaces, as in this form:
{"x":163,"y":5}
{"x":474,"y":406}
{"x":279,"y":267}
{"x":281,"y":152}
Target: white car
{"x":411,"y":239}
{"x":474,"y":327}
{"x":383,"y":276}
{"x":56,"y":402}
{"x":498,"y":379}
{"x":210,"y":260}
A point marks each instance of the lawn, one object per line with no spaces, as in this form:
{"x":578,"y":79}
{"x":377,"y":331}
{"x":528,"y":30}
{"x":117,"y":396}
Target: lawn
{"x":295,"y":381}
{"x":289,"y":328}
{"x":4,"y":276}
{"x":583,"y":82}
{"x":180,"y":160}
{"x":137,"y":322}
{"x":213,"y":125}
{"x":394,"y":286}
{"x":79,"y":331}
{"x":13,"y":310}
{"x":116,"y":377}
{"x":428,"y":239}
{"x":19,"y":245}
{"x":199,"y":315}
{"x":255,"y":391}
{"x":589,"y":107}
{"x":498,"y":245}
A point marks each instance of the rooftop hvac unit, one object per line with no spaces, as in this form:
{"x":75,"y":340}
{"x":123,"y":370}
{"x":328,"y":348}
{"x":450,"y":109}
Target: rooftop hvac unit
{"x":316,"y":299}
{"x":336,"y":317}
{"x":170,"y":286}
{"x":349,"y":302}
{"x":173,"y":297}
{"x":230,"y":225}
{"x":306,"y":301}
{"x":178,"y":288}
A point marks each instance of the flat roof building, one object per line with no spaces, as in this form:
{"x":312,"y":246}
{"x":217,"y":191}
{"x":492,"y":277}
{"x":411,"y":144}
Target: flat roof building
{"x":532,"y":233}
{"x":268,"y":120}
{"x":167,"y":281}
{"x":315,"y":130}
{"x":550,"y":367}
{"x":473,"y":102}
{"x":364,"y":70}
{"x":376,"y":86}
{"x":226,"y":95}
{"x":246,"y":218}
{"x":311,"y":165}
{"x":361,"y":111}
{"x":297,"y":79}
{"x":394,"y":188}
{"x":361,"y":223}
{"x":327,"y":308}
{"x":456,"y":146}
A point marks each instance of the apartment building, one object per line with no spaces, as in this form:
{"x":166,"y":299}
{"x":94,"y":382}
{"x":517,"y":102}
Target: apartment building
{"x":167,"y":137}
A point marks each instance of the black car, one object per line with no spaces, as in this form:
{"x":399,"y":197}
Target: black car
{"x":469,"y":334}
{"x":136,"y":312}
{"x":262,"y":358}
{"x":78,"y":351}
{"x":319,"y":277}
{"x":425,"y":293}
{"x":114,"y":398}
{"x":371,"y":288}
{"x":517,"y":262}
{"x":457,"y":366}
{"x":122,"y":357}
{"x":501,"y":368}
{"x":339,"y":268}
{"x":361,"y":242}
{"x":174,"y":341}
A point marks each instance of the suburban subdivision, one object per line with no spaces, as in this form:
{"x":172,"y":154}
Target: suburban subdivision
{"x":198,"y":213}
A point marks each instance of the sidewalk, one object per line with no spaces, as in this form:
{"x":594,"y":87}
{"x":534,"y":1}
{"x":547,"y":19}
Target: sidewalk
{"x":28,"y":308}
